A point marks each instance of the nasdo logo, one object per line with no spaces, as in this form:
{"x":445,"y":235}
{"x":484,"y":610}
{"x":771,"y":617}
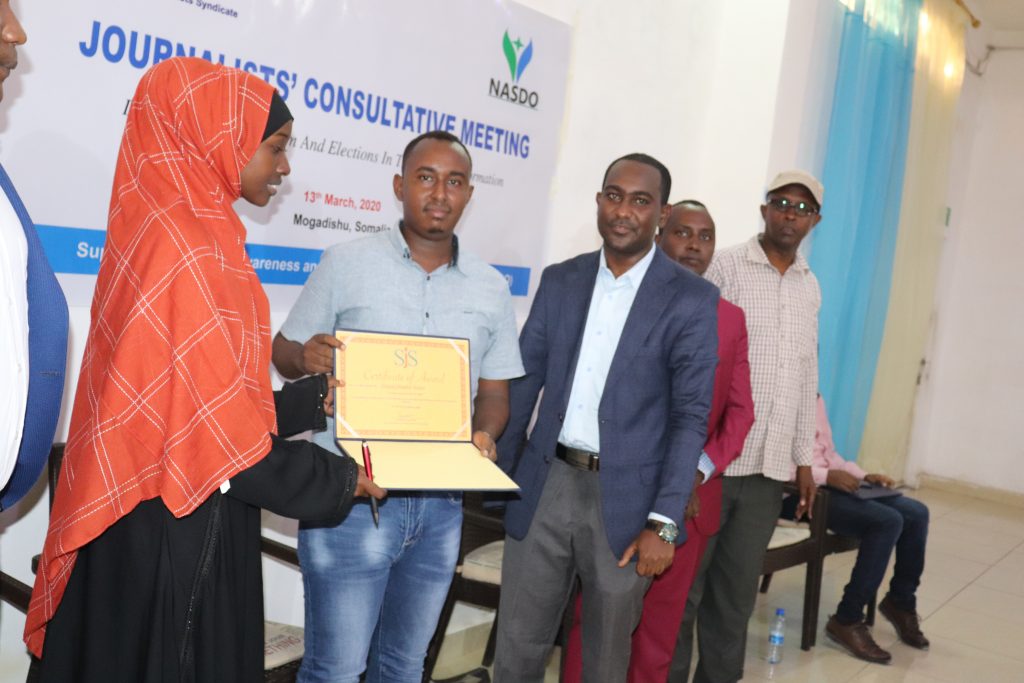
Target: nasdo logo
{"x":518,"y":57}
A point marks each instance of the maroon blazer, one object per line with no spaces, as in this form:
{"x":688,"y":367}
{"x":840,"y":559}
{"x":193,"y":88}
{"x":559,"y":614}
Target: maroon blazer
{"x":732,"y":412}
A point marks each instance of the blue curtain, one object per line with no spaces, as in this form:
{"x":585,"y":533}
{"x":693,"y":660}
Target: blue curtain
{"x":852,"y":247}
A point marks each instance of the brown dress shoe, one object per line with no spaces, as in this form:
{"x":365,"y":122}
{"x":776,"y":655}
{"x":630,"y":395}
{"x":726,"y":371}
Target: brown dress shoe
{"x":906,"y":623}
{"x":857,"y":640}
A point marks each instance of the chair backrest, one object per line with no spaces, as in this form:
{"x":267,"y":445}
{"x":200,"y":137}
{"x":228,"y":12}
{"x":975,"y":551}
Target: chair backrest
{"x":803,"y":547}
{"x":53,"y":468}
{"x":480,"y":525}
{"x":12,"y":590}
{"x":788,"y":534}
{"x":15,"y":592}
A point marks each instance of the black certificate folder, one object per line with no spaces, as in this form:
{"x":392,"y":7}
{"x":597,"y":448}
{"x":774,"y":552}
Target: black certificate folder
{"x":870,"y":491}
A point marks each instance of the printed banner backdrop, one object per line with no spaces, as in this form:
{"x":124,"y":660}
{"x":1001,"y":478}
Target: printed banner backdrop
{"x":362,"y":78}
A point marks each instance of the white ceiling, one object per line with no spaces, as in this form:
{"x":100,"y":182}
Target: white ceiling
{"x":999,"y":15}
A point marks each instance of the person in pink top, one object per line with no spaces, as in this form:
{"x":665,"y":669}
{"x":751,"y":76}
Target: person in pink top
{"x":881,"y":524}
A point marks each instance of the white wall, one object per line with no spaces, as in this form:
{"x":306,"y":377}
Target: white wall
{"x":803,"y":104}
{"x":690,"y":82}
{"x":968,"y":422}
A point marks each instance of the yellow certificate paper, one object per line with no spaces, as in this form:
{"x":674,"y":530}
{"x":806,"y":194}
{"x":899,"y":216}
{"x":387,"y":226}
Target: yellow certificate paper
{"x":408,"y":396}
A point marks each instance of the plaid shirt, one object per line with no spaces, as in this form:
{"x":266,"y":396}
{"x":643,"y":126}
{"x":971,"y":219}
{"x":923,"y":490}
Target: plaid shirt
{"x":782,"y":324}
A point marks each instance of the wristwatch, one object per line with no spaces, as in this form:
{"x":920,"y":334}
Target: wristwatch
{"x":666,"y":531}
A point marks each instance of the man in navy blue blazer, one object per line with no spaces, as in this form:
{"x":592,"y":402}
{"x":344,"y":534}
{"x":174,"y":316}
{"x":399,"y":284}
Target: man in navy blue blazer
{"x":623,"y":343}
{"x":33,"y":371}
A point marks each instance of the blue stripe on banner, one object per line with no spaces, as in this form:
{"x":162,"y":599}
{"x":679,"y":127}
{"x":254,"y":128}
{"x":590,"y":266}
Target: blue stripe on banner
{"x":72,"y":250}
{"x":78,"y":250}
{"x":518,"y":278}
{"x":283,"y":265}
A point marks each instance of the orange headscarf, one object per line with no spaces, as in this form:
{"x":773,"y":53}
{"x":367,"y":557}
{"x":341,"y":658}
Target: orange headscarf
{"x":174,"y":395}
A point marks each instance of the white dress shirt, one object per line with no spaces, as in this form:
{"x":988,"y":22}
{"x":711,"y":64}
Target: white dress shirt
{"x":609,"y":307}
{"x":13,"y":337}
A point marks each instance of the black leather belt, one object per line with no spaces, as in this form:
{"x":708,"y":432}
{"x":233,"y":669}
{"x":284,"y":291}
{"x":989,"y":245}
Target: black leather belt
{"x":584,"y":460}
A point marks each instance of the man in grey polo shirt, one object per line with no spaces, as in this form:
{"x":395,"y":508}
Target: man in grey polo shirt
{"x":377,"y":593}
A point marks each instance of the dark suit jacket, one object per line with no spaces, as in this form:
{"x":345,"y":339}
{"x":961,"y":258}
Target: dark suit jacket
{"x":732,"y":412}
{"x":654,"y":409}
{"x":47,"y":351}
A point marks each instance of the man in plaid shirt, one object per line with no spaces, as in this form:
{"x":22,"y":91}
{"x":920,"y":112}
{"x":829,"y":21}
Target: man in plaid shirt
{"x":771,"y":281}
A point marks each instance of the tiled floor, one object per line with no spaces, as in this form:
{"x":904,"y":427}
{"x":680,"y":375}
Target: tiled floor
{"x":971,"y":601}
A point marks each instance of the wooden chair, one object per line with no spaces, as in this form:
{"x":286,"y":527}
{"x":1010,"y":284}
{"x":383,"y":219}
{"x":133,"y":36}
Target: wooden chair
{"x":808,"y":543}
{"x":15,"y":592}
{"x":283,"y":644}
{"x":478,"y":581}
{"x":793,"y":545}
{"x":477,"y":577}
{"x":12,"y":590}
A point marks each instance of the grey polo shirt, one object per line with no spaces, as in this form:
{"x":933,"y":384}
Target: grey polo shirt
{"x":373,"y":284}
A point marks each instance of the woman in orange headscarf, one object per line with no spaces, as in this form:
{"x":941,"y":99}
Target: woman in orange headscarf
{"x":151,"y":569}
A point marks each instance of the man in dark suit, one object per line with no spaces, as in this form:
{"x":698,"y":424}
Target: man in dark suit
{"x":35,"y":342}
{"x":689,"y":239}
{"x":623,"y":343}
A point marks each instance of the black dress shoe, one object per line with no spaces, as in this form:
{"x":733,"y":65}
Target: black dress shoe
{"x":856,"y":639}
{"x":906,"y":622}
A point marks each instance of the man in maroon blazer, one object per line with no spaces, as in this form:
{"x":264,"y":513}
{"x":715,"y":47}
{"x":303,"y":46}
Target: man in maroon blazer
{"x":689,"y":238}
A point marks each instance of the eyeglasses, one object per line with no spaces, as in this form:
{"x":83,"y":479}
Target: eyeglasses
{"x":783,"y":205}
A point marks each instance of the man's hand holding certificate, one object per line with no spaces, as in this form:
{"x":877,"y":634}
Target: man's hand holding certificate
{"x":484,"y":443}
{"x":409,"y":396}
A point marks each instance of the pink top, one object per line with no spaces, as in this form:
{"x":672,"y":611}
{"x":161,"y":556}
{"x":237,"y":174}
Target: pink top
{"x":824,"y":456}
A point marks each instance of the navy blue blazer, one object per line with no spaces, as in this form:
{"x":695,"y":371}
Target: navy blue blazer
{"x":47,"y":350}
{"x":654,"y":410}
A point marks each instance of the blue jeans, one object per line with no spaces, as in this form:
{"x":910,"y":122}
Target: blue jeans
{"x":373,"y":596}
{"x":881,"y":524}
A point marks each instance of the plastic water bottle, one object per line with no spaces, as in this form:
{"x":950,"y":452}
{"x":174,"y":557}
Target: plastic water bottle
{"x":776,"y":636}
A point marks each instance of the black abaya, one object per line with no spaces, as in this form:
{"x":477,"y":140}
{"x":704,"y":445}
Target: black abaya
{"x":165,"y":600}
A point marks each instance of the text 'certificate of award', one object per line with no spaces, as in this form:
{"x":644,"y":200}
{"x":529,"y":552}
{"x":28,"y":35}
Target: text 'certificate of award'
{"x":409,"y":397}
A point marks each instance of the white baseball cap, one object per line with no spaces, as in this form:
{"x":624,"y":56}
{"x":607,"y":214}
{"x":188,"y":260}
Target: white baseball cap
{"x":798,"y":177}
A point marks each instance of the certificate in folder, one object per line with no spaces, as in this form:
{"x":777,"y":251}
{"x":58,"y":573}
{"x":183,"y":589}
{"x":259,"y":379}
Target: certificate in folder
{"x":409,"y":397}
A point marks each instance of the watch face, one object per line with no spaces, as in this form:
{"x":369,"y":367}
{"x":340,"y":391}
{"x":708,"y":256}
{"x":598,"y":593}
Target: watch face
{"x":669,"y":533}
